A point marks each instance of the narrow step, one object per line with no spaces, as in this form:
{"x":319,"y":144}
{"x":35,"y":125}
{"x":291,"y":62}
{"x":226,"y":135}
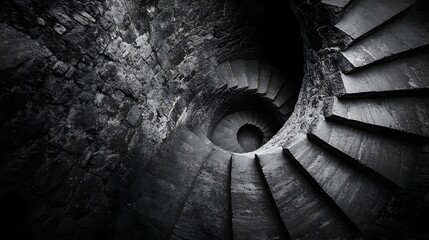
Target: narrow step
{"x":226,"y":71}
{"x":253,"y":215}
{"x":229,"y":124}
{"x":206,"y":213}
{"x":201,"y":134}
{"x":248,"y":116}
{"x":286,"y":92}
{"x":362,"y":148}
{"x":405,"y":33}
{"x":359,"y":196}
{"x":288,"y":106}
{"x":162,"y":192}
{"x":305,"y":213}
{"x":336,"y":3}
{"x":251,"y":116}
{"x":252,"y":71}
{"x":238,"y":68}
{"x":267,"y":124}
{"x":408,"y":115}
{"x":275,"y":84}
{"x":365,"y":15}
{"x":408,"y":75}
{"x":227,"y":141}
{"x":224,"y":137}
{"x":215,"y":79}
{"x":264,"y":77}
{"x":260,"y":119}
{"x":235,"y":119}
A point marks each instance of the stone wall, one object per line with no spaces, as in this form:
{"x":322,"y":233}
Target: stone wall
{"x":90,"y":89}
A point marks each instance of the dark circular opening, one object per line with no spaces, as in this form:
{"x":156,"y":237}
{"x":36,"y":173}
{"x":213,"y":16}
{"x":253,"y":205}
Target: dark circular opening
{"x":249,"y":137}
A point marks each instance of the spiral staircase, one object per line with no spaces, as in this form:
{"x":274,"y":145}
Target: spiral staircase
{"x":332,"y":183}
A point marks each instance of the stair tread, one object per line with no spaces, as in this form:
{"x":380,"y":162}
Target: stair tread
{"x":286,"y":92}
{"x":363,"y":148}
{"x":260,"y":119}
{"x":164,"y":190}
{"x":305,"y":213}
{"x":238,"y":68}
{"x":407,"y":115}
{"x":246,"y":118}
{"x":234,"y":120}
{"x":253,"y":117}
{"x":253,"y":216}
{"x":402,"y":34}
{"x":358,"y":195}
{"x":275,"y":84}
{"x":225,"y":71}
{"x":201,"y":134}
{"x":215,"y":79}
{"x":288,"y":106}
{"x":264,"y":77}
{"x":252,"y":71}
{"x":227,"y":142}
{"x":365,"y":15}
{"x":209,"y":199}
{"x":407,"y":73}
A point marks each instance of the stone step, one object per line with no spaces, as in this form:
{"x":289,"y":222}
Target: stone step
{"x":223,"y":128}
{"x":201,"y":134}
{"x":260,"y":119}
{"x":366,"y":15}
{"x":407,"y":32}
{"x":406,"y":75}
{"x":275,"y":84}
{"x":206,"y":213}
{"x":247,"y":116}
{"x":286,"y":92}
{"x":244,"y":117}
{"x":224,"y":138}
{"x":360,"y":196}
{"x":392,"y":165}
{"x":252,"y":71}
{"x":404,"y":115}
{"x":161,"y":192}
{"x":336,"y":3}
{"x":229,"y":123}
{"x":215,"y":79}
{"x":235,"y":119}
{"x":267,"y":124}
{"x":269,"y":133}
{"x":264,"y":77}
{"x":253,"y":115}
{"x":288,"y":106}
{"x":226,"y":71}
{"x":238,"y":69}
{"x":227,"y":141}
{"x":304,"y":211}
{"x":253,"y":215}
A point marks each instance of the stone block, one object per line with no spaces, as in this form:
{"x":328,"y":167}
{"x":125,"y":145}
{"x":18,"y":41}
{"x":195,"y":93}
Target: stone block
{"x":134,"y":115}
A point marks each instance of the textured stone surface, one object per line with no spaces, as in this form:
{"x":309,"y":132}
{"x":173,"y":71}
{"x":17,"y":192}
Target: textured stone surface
{"x":206,"y":213}
{"x":160,"y":193}
{"x":407,"y":74}
{"x":305,"y":213}
{"x":358,"y":195}
{"x":387,"y":113}
{"x":405,"y":33}
{"x":369,"y":14}
{"x":94,"y":92}
{"x":253,"y":214}
{"x":394,"y":163}
{"x":17,"y":48}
